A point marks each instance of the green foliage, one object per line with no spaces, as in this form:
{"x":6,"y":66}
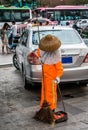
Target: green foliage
{"x":84,"y":34}
{"x":78,"y":2}
{"x":47,"y":2}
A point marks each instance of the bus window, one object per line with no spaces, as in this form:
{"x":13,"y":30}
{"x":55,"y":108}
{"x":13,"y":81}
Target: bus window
{"x":15,"y":15}
{"x":25,"y":14}
{"x":51,"y":15}
{"x":1,"y":14}
{"x":62,"y":16}
{"x":6,"y":15}
{"x":57,"y":15}
{"x":84,"y":14}
{"x":44,"y":14}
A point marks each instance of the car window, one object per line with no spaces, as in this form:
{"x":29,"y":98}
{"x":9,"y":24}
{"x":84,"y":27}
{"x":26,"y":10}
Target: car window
{"x":84,"y":21}
{"x":24,"y":38}
{"x":66,"y":36}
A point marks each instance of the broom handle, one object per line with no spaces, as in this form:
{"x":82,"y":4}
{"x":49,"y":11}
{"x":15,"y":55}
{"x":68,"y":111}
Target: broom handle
{"x":42,"y":68}
{"x":43,"y":82}
{"x":61,"y":97}
{"x":38,"y":33}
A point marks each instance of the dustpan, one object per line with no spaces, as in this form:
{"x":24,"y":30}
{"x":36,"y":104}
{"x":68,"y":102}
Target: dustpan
{"x":62,"y":115}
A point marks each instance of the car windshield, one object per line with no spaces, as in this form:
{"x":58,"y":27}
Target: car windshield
{"x":66,"y":36}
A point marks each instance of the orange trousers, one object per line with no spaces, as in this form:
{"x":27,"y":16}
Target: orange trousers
{"x":49,"y":87}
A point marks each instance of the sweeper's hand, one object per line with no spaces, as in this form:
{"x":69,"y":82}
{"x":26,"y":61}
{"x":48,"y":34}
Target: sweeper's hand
{"x":57,"y":80}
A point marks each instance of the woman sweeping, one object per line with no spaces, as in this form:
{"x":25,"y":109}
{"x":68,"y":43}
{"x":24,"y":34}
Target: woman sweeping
{"x":50,"y":58}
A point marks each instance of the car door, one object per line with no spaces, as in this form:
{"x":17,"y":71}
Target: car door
{"x":22,"y":49}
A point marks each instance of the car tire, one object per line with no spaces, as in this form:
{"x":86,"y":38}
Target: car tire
{"x":83,"y":84}
{"x":15,"y":62}
{"x":27,"y":85}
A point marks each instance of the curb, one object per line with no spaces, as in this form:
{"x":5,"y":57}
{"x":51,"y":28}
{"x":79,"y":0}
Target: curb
{"x":6,"y":65}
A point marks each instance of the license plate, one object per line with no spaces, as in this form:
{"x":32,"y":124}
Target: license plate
{"x":66,"y":60}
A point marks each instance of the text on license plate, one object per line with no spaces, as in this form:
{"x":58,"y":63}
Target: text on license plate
{"x":67,"y":60}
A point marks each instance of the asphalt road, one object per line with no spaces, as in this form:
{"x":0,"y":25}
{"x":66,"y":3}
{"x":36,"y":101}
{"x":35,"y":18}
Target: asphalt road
{"x":18,"y":106}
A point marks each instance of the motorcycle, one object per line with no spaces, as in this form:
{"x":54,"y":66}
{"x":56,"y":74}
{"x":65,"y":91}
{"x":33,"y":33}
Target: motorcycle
{"x":15,"y":63}
{"x":15,"y":41}
{"x":13,"y":48}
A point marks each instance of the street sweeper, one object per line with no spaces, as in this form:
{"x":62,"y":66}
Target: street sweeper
{"x":52,"y":69}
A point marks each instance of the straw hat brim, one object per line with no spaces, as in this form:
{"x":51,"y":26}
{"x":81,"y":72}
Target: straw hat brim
{"x":49,"y":43}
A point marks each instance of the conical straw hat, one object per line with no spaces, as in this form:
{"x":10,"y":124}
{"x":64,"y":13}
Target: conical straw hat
{"x":49,"y":43}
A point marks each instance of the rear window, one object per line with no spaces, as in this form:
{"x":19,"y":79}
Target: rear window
{"x":66,"y":36}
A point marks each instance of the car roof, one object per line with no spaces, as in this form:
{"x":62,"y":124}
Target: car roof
{"x":36,"y":28}
{"x":40,"y":18}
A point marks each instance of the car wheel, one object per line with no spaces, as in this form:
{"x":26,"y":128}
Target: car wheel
{"x":27,"y":85}
{"x":83,"y":84}
{"x":15,"y":63}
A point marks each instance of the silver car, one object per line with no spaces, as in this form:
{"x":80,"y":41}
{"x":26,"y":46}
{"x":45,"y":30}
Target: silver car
{"x":74,"y":54}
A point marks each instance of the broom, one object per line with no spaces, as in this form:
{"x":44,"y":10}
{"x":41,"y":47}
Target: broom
{"x":45,"y":114}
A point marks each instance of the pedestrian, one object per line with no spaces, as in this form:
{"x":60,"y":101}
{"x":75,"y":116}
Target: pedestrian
{"x":35,"y":23}
{"x":40,"y":23}
{"x":14,"y":28}
{"x":46,"y":23}
{"x":12,"y":35}
{"x":50,"y":58}
{"x":4,"y":38}
{"x":68,"y":23}
{"x":58,"y":22}
{"x":29,"y":24}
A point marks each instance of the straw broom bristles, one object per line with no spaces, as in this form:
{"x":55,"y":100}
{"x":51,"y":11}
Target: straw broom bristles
{"x":45,"y":114}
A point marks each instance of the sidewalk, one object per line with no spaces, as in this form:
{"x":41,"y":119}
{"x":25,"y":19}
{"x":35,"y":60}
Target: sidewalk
{"x":5,"y":59}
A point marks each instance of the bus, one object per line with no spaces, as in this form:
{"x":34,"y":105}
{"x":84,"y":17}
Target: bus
{"x":17,"y":14}
{"x":62,"y":13}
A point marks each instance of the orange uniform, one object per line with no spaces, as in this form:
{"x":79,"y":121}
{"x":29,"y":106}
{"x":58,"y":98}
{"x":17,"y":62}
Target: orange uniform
{"x":49,"y":87}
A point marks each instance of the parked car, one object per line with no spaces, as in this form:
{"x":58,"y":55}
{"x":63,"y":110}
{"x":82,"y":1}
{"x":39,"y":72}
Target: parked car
{"x":84,"y":35}
{"x":82,"y":23}
{"x":84,"y":32}
{"x":73,"y":50}
{"x":41,"y":20}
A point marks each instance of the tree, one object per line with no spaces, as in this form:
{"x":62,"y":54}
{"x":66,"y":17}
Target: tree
{"x":48,"y":2}
{"x":61,"y":2}
{"x":78,"y":2}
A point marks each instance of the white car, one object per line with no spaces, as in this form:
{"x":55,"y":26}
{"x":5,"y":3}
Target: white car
{"x":74,"y":54}
{"x":82,"y":23}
